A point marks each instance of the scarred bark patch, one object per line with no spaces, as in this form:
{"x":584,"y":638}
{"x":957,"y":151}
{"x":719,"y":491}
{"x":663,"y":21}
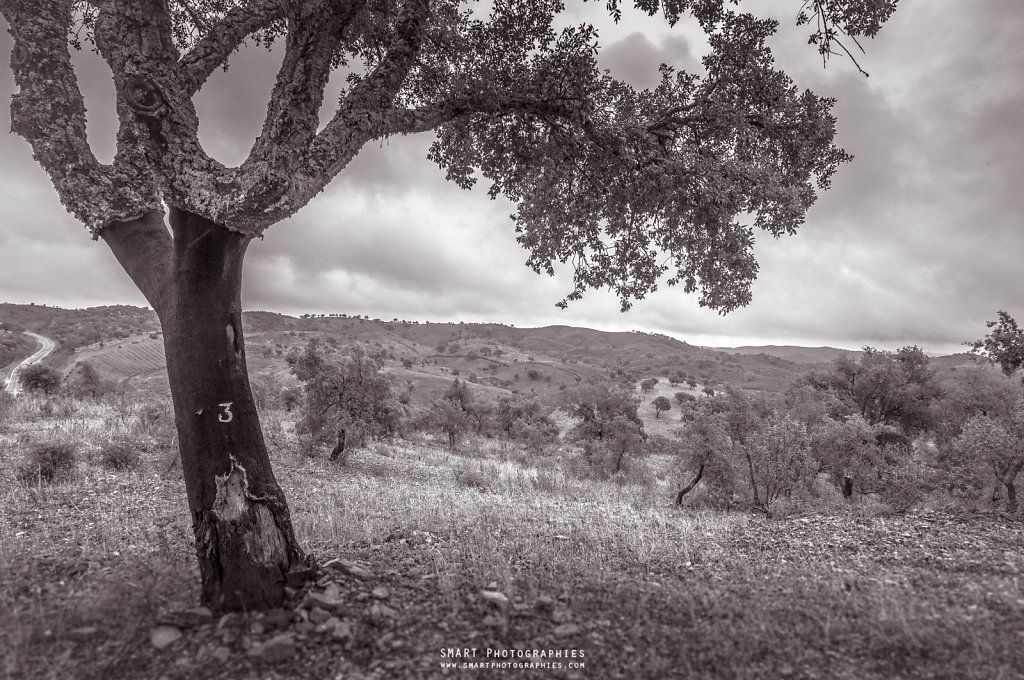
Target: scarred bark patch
{"x":251,"y":518}
{"x":232,"y":491}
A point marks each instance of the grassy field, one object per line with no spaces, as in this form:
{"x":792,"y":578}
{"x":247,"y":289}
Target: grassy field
{"x":612,"y":573}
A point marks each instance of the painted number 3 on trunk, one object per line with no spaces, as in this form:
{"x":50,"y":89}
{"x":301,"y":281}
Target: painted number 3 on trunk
{"x":227,"y":415}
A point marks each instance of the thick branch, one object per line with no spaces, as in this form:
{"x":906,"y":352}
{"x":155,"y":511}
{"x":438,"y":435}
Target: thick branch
{"x":360,"y":118}
{"x":143,"y":247}
{"x":224,"y":37}
{"x":361,"y":115}
{"x":292,"y":115}
{"x":157,"y":113}
{"x":49,"y":112}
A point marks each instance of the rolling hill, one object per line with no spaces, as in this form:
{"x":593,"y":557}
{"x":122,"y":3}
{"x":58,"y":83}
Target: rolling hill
{"x":123,"y":343}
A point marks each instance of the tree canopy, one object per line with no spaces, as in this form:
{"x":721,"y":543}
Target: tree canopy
{"x":1003,"y":344}
{"x":628,"y":187}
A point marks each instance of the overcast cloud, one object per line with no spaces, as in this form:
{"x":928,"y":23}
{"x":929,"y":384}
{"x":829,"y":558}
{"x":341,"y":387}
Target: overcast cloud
{"x":918,"y":241}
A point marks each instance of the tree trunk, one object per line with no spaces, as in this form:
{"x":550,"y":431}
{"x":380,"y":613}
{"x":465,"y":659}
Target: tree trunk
{"x":339,"y":448}
{"x":689,"y":487}
{"x":753,"y":478}
{"x":1011,"y":497}
{"x":245,"y":543}
{"x":847,"y":487}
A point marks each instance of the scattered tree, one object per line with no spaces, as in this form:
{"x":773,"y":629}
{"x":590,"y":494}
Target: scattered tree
{"x":85,"y":381}
{"x":780,"y":460}
{"x":894,"y":388}
{"x":347,"y":398}
{"x":706,"y":448}
{"x":1003,"y":345}
{"x":661,"y":404}
{"x":40,"y":378}
{"x":647,"y":384}
{"x":683,"y":397}
{"x":985,"y":442}
{"x":849,"y":452}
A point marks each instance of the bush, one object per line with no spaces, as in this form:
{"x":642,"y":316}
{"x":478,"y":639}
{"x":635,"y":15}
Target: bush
{"x":38,"y":377}
{"x":85,"y":381}
{"x":48,"y":462}
{"x":123,"y":453}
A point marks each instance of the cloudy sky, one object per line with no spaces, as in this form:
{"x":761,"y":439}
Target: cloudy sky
{"x":919,"y":241}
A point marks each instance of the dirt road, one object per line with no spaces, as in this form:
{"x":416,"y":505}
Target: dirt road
{"x":45,"y":347}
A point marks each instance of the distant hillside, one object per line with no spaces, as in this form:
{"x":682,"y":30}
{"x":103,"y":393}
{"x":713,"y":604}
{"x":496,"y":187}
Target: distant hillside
{"x":72,"y":328}
{"x":794,"y":353}
{"x":124,"y":342}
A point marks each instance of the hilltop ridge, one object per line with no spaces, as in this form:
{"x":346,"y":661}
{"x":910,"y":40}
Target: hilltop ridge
{"x":124,"y":342}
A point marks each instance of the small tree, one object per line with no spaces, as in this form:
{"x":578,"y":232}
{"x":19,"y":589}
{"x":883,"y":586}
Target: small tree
{"x":780,"y":460}
{"x":1003,"y":344}
{"x":448,"y":416}
{"x":986,"y":443}
{"x":849,"y":452}
{"x":40,"y":378}
{"x":85,"y":381}
{"x":526,"y":420}
{"x":661,"y":404}
{"x":607,"y":424}
{"x":683,"y":397}
{"x":647,"y":384}
{"x":705,"y":454}
{"x":347,"y":398}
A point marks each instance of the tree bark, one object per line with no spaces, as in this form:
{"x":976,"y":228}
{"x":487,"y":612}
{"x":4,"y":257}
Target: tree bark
{"x":847,"y":487}
{"x":753,"y":478}
{"x":1011,"y":497}
{"x":245,"y":542}
{"x":339,"y":448}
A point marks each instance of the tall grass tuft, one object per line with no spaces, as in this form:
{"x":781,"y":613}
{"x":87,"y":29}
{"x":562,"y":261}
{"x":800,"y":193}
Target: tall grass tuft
{"x":48,"y":462}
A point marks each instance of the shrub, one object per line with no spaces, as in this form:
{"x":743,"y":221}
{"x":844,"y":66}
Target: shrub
{"x":48,"y":462}
{"x":38,"y":377}
{"x":85,"y":381}
{"x":123,"y":453}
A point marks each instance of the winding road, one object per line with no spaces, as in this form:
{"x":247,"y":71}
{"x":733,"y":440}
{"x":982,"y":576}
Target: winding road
{"x":45,"y":347}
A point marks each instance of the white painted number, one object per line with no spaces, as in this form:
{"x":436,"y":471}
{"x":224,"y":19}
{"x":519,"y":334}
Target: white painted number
{"x":227,"y":415}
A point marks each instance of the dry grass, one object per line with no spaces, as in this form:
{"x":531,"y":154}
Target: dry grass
{"x":86,"y":565}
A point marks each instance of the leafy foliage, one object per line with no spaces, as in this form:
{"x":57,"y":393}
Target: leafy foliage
{"x":661,"y":404}
{"x":627,"y":187}
{"x":346,"y":398}
{"x":894,"y":388}
{"x":41,"y":378}
{"x":1003,"y":345}
{"x":780,"y":460}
